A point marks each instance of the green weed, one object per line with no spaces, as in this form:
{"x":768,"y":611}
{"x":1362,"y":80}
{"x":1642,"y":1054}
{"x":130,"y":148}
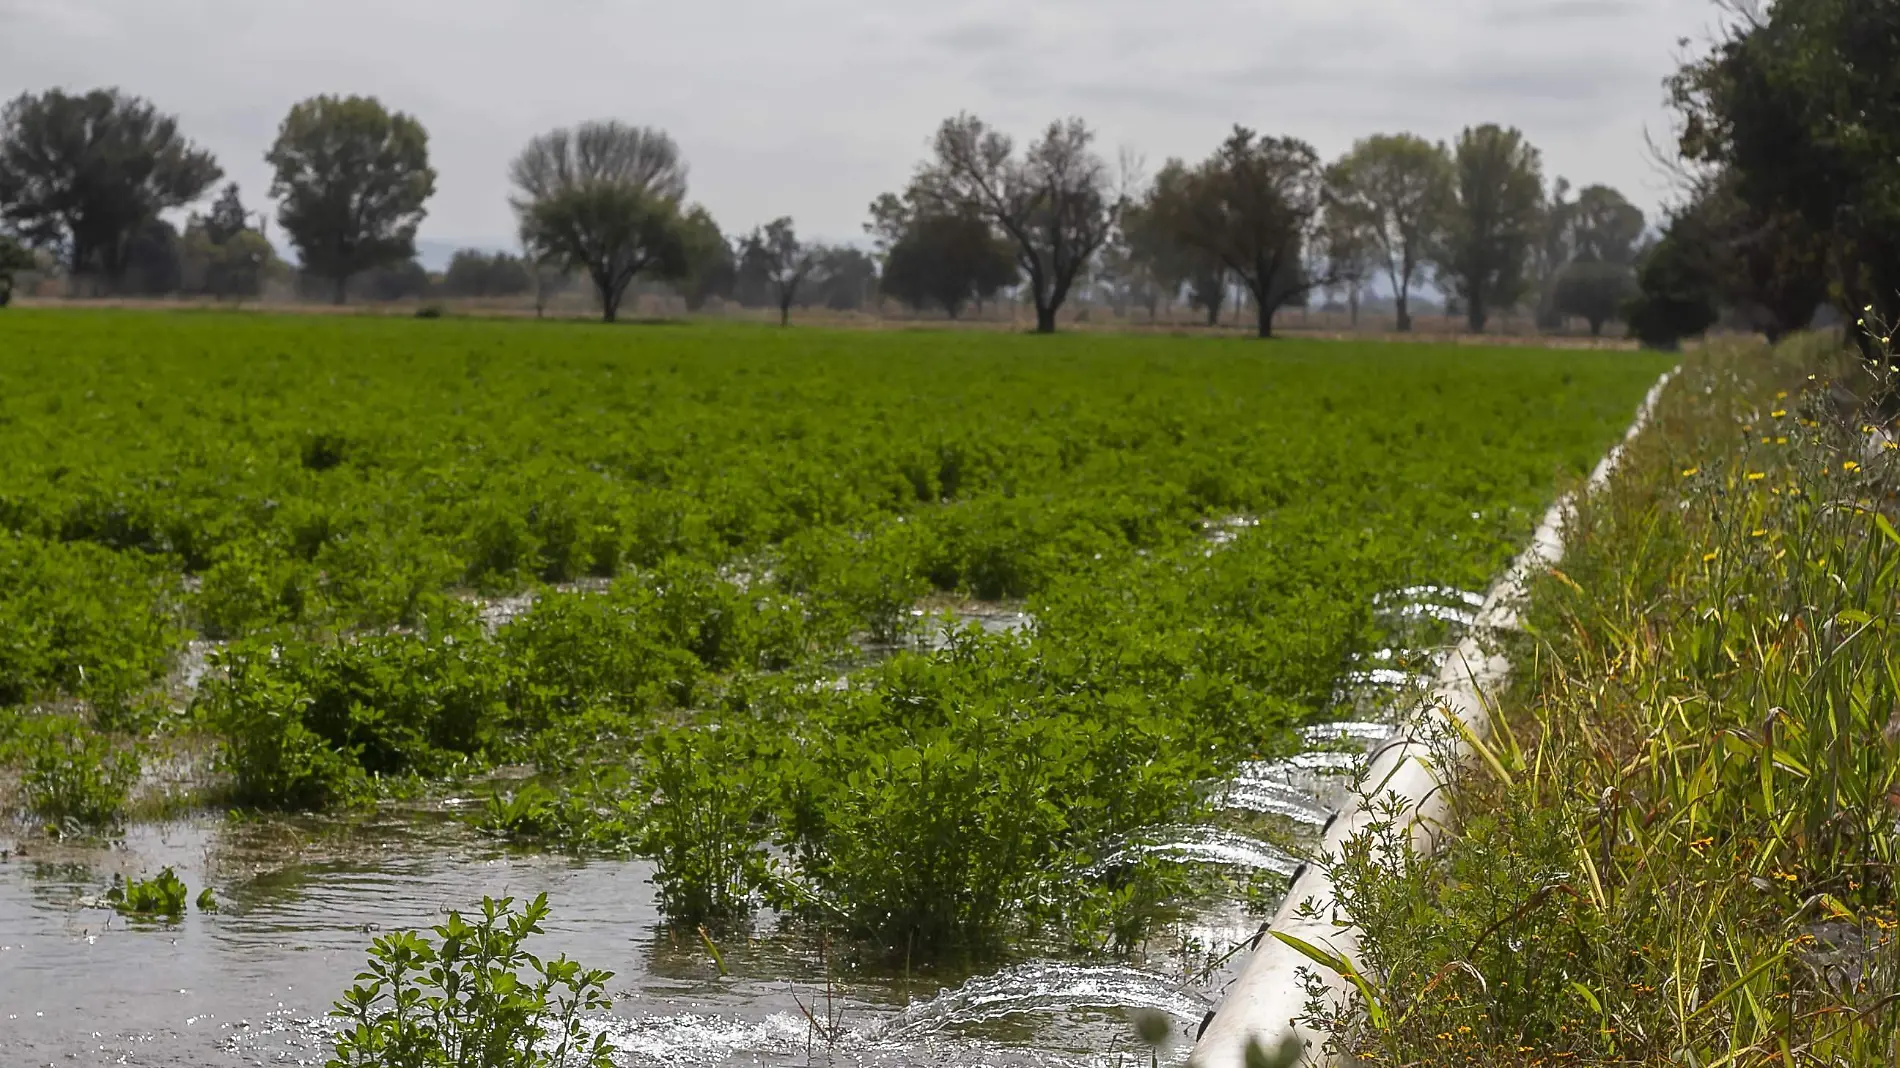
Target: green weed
{"x":472,"y":995}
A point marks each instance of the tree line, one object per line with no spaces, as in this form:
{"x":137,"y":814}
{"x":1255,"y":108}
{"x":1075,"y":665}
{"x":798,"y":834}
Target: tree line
{"x":1787,"y":206}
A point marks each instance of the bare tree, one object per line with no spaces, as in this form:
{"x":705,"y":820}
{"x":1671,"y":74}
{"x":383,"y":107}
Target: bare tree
{"x":1056,"y":202}
{"x":786,"y":262}
{"x":603,"y":197}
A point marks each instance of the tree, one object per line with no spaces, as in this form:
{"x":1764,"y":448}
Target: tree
{"x":1350,"y":248}
{"x":1604,"y":226}
{"x":1255,"y":206}
{"x":787,"y":262}
{"x":83,"y":175}
{"x":1153,"y":239}
{"x":14,"y":259}
{"x":1675,"y":297}
{"x":845,"y":277}
{"x":474,"y":273}
{"x":1796,"y":105}
{"x":1594,"y":290}
{"x":227,"y":217}
{"x":351,"y":178}
{"x":711,"y":270}
{"x":604,"y":198}
{"x":154,"y":260}
{"x":222,"y":254}
{"x":1054,"y":202}
{"x":947,"y":261}
{"x":1498,"y":190}
{"x":1399,"y":186}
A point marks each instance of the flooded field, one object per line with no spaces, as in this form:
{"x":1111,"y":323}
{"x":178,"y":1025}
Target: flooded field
{"x":299,"y":900}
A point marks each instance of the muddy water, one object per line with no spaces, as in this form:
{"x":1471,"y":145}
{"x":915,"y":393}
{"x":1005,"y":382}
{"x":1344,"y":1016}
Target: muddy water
{"x":299,"y":904}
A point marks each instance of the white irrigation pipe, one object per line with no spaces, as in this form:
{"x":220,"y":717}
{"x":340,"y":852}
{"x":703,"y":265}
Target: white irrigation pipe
{"x":1265,"y":1003}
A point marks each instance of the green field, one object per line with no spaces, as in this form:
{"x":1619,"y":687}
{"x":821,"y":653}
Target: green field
{"x":724,"y":516}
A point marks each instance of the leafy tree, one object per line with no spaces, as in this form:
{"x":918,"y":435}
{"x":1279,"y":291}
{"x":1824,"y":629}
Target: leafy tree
{"x":154,"y":260}
{"x":1399,"y":187}
{"x":236,"y":267}
{"x":604,"y":198}
{"x":711,"y":270}
{"x":1604,"y":226}
{"x":1796,"y":105}
{"x":1054,"y":202}
{"x":787,"y":262}
{"x":14,"y":259}
{"x":844,"y":278}
{"x":223,"y":255}
{"x":1255,"y":205}
{"x":407,"y":280}
{"x":1594,"y":290}
{"x":947,"y":261}
{"x":474,"y":273}
{"x":84,"y":174}
{"x":1498,"y":190}
{"x":1675,"y":298}
{"x":227,"y":217}
{"x":1154,"y":240}
{"x":351,"y":178}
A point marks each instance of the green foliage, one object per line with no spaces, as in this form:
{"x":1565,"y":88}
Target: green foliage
{"x":948,"y":261}
{"x":1686,"y":850}
{"x":473,"y":995}
{"x":704,"y":825}
{"x":1594,"y":290}
{"x":1498,"y":193}
{"x":85,"y":172}
{"x":74,"y":779}
{"x":351,"y":178}
{"x":605,"y":198}
{"x":80,"y":619}
{"x":720,"y":511}
{"x":1675,"y":296}
{"x":14,"y":258}
{"x":163,"y":895}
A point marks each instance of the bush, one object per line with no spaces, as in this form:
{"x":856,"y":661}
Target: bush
{"x":704,"y":825}
{"x":473,"y":995}
{"x":73,"y":778}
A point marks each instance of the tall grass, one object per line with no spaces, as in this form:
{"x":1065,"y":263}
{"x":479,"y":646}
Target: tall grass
{"x":1685,"y":850}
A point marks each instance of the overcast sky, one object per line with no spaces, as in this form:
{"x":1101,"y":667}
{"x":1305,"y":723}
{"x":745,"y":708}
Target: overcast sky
{"x":810,"y":108}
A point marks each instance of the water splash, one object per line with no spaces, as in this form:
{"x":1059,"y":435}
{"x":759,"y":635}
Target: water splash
{"x":1355,"y":730}
{"x":1043,"y":987}
{"x":1225,"y":531}
{"x":692,"y":1038}
{"x":1274,"y":799}
{"x":1468,"y":598}
{"x":1198,"y":845}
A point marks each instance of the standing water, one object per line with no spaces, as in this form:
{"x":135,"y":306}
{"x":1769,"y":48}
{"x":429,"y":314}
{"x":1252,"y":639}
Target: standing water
{"x":300,"y":901}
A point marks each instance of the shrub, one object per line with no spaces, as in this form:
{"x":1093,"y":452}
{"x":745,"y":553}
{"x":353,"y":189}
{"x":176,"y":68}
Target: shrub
{"x":275,"y":761}
{"x":704,"y":825}
{"x":472,"y":995}
{"x":74,"y":778}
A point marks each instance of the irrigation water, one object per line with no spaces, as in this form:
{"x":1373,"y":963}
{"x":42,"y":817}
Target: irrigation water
{"x":300,"y":900}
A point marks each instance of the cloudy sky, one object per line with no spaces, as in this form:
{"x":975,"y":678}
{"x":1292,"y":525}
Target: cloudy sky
{"x":809,"y":108}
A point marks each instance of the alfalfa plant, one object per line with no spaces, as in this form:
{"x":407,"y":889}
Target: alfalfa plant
{"x":472,"y":997}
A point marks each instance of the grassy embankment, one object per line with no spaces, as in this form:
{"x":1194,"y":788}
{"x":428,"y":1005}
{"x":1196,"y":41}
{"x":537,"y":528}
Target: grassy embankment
{"x":1683,"y":849}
